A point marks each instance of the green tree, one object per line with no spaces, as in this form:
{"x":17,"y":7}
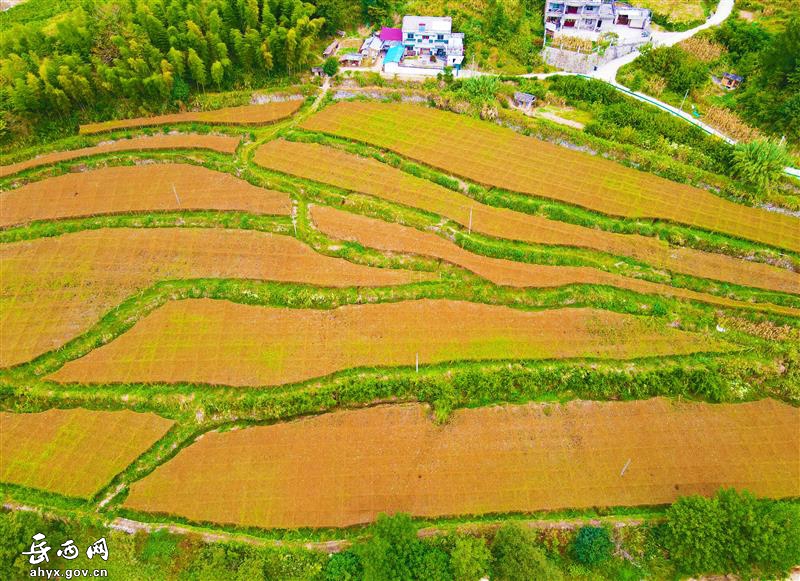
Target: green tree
{"x":388,"y":554}
{"x":592,"y":545}
{"x":470,"y":558}
{"x":217,"y":73}
{"x":760,"y":163}
{"x":331,"y":66}
{"x":733,"y":533}
{"x":518,"y":558}
{"x":197,"y":67}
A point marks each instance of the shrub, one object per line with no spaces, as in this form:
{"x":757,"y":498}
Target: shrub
{"x":733,"y":533}
{"x":517,"y":558}
{"x":470,"y":558}
{"x":760,"y":163}
{"x":344,"y":566}
{"x":331,"y":66}
{"x":592,"y":545}
{"x":395,"y":552}
{"x":586,"y":90}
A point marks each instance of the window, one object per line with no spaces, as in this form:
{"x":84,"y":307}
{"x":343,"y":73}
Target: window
{"x":410,"y":36}
{"x":440,"y":36}
{"x":422,"y":27}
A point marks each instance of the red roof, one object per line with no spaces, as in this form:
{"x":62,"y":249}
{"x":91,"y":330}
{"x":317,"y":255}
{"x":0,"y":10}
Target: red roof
{"x":391,"y":34}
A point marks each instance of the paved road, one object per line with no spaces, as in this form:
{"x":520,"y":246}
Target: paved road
{"x":608,"y":72}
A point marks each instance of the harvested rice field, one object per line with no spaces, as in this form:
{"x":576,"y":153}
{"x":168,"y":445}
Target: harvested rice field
{"x":73,"y":452}
{"x":196,"y":340}
{"x":345,"y":468}
{"x":220,"y":143}
{"x":351,"y":172}
{"x":53,"y":289}
{"x":244,"y":115}
{"x":500,"y":157}
{"x":153,"y":187}
{"x":382,"y":235}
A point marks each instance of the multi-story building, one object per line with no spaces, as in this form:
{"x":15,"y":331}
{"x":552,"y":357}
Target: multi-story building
{"x":591,"y":18}
{"x":433,"y":36}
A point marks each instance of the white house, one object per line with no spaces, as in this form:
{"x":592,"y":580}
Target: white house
{"x":433,"y":36}
{"x":591,"y":18}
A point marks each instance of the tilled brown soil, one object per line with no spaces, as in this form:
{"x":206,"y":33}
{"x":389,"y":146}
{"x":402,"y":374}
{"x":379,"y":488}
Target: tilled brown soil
{"x":74,"y":452}
{"x":359,"y":174}
{"x":500,"y":157}
{"x":345,"y":468}
{"x":52,"y":289}
{"x":221,"y":143}
{"x":153,"y":187}
{"x":197,"y":340}
{"x":382,"y":235}
{"x":244,"y":115}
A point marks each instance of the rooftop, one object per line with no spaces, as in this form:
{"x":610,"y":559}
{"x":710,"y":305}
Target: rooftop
{"x":434,"y":24}
{"x":394,"y":54}
{"x":391,"y":34}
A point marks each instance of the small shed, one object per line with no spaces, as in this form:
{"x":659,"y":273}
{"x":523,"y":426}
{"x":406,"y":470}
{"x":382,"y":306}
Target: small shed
{"x":392,"y":59}
{"x":351,"y":59}
{"x":332,"y":47}
{"x":524,"y":100}
{"x":318,"y":71}
{"x":731,"y":81}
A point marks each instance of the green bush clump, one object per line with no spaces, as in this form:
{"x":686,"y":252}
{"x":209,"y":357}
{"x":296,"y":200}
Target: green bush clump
{"x":586,"y":90}
{"x":760,"y":163}
{"x":733,"y":532}
{"x":518,"y":557}
{"x":344,"y":566}
{"x":592,"y":545}
{"x":470,"y":558}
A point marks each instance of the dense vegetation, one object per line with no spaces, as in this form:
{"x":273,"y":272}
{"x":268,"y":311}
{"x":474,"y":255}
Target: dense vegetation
{"x":107,"y":57}
{"x":768,"y":60}
{"x":731,"y":533}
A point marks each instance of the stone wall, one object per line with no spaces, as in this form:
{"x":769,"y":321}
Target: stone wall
{"x":576,"y":62}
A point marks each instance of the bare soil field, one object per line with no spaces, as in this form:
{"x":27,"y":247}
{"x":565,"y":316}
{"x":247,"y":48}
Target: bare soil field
{"x":152,"y":187}
{"x":196,"y":340}
{"x":344,"y":468}
{"x":245,"y":115}
{"x":52,"y":289}
{"x":221,"y":143}
{"x":360,"y":174}
{"x":496,"y":156}
{"x":73,"y":452}
{"x":382,"y":235}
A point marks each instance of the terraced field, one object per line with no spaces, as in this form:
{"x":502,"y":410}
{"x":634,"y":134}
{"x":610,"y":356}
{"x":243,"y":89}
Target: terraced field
{"x":114,"y":190}
{"x":344,"y":170}
{"x":228,"y":291}
{"x":396,"y":238}
{"x":195,"y":341}
{"x":220,"y":143}
{"x":344,"y":468}
{"x":73,"y":452}
{"x":244,"y":115}
{"x":499,"y":157}
{"x":53,"y":289}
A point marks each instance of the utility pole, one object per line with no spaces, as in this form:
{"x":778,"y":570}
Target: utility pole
{"x":469,"y":228}
{"x":684,"y":98}
{"x":177,"y":199}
